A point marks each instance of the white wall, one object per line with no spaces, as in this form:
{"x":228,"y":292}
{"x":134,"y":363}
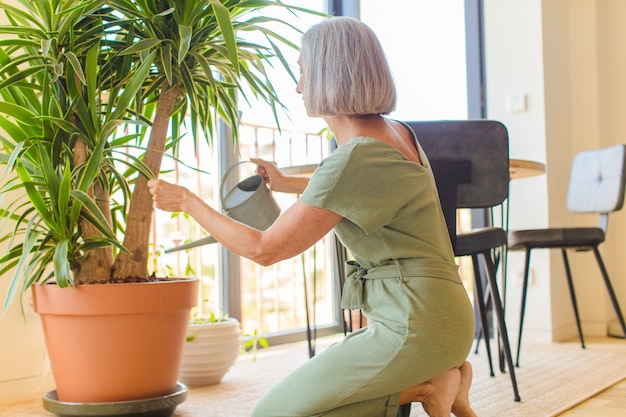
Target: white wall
{"x":514,"y":65}
{"x":23,"y":364}
{"x":568,"y":57}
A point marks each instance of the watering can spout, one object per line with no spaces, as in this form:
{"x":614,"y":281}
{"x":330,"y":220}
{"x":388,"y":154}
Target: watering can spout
{"x":200,"y":242}
{"x":250,"y":202}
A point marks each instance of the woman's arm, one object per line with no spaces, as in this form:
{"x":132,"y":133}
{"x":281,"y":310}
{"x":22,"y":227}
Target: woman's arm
{"x":296,"y":229}
{"x":277,"y":180}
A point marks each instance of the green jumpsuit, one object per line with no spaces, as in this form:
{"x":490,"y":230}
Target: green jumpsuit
{"x":420,"y":321}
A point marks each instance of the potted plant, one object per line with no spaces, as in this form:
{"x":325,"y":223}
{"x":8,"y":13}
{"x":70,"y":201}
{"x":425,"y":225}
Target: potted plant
{"x":212,"y":345}
{"x":93,"y":94}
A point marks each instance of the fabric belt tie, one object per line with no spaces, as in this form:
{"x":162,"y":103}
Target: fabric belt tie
{"x":352,"y":297}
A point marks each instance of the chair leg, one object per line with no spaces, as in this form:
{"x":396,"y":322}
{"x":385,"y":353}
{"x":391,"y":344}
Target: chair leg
{"x":479,"y":330}
{"x":609,"y":288}
{"x":503,"y":259}
{"x":572,"y":293}
{"x":497,"y":304}
{"x":479,"y":338}
{"x":482,"y":310}
{"x":523,"y":306}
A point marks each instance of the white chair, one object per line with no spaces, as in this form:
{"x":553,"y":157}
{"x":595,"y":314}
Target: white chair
{"x":596,"y":186}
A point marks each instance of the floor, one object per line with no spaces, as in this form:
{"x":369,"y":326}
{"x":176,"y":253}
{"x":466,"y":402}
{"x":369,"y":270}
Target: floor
{"x":608,"y":403}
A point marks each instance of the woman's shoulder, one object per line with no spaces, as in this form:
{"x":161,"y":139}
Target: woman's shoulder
{"x":358,"y":151}
{"x":365,"y":159}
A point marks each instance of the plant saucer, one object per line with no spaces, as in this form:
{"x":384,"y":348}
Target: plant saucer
{"x":162,"y":406}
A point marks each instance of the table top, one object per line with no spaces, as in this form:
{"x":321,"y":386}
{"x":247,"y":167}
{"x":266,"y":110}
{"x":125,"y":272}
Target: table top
{"x":522,"y":168}
{"x":299,"y":170}
{"x":519,"y":168}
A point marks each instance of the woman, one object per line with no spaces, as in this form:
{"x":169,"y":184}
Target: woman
{"x":377,"y":193}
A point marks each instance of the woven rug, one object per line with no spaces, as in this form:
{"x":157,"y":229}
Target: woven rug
{"x":551,"y":379}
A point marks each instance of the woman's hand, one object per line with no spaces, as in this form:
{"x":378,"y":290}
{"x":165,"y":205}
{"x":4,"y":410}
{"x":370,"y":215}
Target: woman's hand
{"x":277,"y":180}
{"x":297,"y":228}
{"x":168,"y":197}
{"x":268,"y":170}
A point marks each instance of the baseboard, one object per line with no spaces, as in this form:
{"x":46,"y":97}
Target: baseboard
{"x":16,"y":390}
{"x":615,"y":330}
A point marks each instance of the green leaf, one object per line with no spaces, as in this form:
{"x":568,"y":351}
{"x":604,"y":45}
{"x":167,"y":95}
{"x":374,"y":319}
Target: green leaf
{"x":226,"y":27}
{"x":10,"y":295}
{"x":62,"y":271}
{"x":91,"y":83}
{"x":13,"y":131}
{"x":166,"y":58}
{"x":96,"y":216}
{"x":185,"y":34}
{"x":14,"y":157}
{"x":20,"y":113}
{"x":22,"y":253}
{"x":133,"y":86}
{"x":63,"y":202}
{"x":34,"y":196}
{"x":73,"y":60}
{"x":143,"y":45}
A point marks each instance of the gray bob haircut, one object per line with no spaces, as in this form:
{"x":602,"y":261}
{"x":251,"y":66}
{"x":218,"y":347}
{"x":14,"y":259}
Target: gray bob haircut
{"x":345,"y":70}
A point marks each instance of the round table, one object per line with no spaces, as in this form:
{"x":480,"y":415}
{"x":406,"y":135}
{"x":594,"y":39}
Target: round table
{"x":518,"y":168}
{"x":299,"y":170}
{"x":522,"y":168}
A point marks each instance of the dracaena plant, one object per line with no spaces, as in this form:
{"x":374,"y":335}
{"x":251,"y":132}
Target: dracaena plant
{"x":82,"y":82}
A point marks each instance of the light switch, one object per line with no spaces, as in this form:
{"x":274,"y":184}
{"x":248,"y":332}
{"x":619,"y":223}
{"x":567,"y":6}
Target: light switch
{"x":517,"y":102}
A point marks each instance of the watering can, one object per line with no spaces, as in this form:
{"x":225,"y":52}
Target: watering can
{"x":250,"y":202}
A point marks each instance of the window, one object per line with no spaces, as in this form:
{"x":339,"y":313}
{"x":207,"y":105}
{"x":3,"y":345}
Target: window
{"x":427,"y":55}
{"x":274,"y":299}
{"x":428,"y":59}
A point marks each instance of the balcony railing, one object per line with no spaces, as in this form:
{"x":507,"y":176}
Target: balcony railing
{"x":274,"y":299}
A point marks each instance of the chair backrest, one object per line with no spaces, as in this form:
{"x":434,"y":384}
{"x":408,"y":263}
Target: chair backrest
{"x":484,"y":143}
{"x":597,"y":180}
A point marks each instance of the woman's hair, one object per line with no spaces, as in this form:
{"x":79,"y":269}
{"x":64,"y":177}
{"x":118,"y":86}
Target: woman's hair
{"x":345,"y":70}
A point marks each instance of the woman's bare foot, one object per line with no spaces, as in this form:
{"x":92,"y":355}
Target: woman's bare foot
{"x":461,"y":406}
{"x":436,"y":395}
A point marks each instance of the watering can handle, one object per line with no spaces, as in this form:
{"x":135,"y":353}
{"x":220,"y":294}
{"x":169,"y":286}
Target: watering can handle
{"x":228,"y":171}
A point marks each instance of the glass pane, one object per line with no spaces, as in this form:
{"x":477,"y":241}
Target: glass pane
{"x":170,"y":230}
{"x":294,"y":116}
{"x":274,"y":299}
{"x":425,"y":44}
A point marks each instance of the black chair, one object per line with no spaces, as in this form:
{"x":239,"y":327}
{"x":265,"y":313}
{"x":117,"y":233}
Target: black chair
{"x":482,"y":148}
{"x":596,"y":186}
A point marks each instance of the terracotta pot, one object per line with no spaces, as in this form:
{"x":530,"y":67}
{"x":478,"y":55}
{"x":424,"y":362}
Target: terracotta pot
{"x":209,"y":352}
{"x":115,"y":342}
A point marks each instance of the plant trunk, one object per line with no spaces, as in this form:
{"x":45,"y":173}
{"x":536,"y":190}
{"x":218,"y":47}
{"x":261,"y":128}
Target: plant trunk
{"x":139,"y":218}
{"x":96,"y":267}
